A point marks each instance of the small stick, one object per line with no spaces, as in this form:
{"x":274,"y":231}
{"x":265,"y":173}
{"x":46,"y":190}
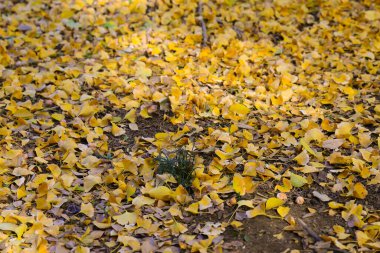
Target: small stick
{"x":309,"y":231}
{"x":203,"y":24}
{"x":316,"y":236}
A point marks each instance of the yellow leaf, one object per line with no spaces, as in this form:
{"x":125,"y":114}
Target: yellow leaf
{"x":361,"y":237}
{"x":350,"y":92}
{"x":258,"y":210}
{"x":67,"y":180}
{"x":126,"y":218}
{"x":193,"y":208}
{"x":205,"y":203}
{"x":5,"y":226}
{"x":140,"y":201}
{"x":247,"y":135}
{"x":131,"y":116}
{"x":55,"y":170}
{"x":161,"y":193}
{"x":21,"y":192}
{"x":20,"y":230}
{"x":297,"y":181}
{"x":314,"y":134}
{"x":302,"y":158}
{"x":23,"y":113}
{"x":129,"y":241}
{"x":71,"y":159}
{"x":90,"y":181}
{"x":242,"y":185}
{"x":372,"y":15}
{"x":90,"y":162}
{"x":250,"y":168}
{"x":333,"y":143}
{"x":58,"y":116}
{"x":126,"y":165}
{"x":365,"y":139}
{"x":178,"y":228}
{"x":42,"y":204}
{"x":87,"y":209}
{"x":248,"y":203}
{"x":142,"y":72}
{"x":81,"y":249}
{"x":286,"y":95}
{"x":273,"y":202}
{"x":117,"y":131}
{"x":239,"y":109}
{"x":287,"y":186}
{"x":42,"y":246}
{"x":223,"y":155}
{"x":341,"y":78}
{"x":360,"y":191}
{"x":335,"y":205}
{"x":236,"y":224}
{"x":344,"y":129}
{"x":67,"y":13}
{"x":327,"y":126}
{"x":87,"y":110}
{"x":102,"y":225}
{"x":306,"y":146}
{"x":283,"y":211}
{"x":5,"y":131}
{"x":373,"y":245}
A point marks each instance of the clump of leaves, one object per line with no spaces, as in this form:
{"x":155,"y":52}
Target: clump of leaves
{"x":179,"y":163}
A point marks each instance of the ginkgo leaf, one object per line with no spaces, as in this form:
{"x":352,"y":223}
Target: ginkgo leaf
{"x":333,"y":143}
{"x":283,"y":211}
{"x":239,"y":108}
{"x":247,"y":203}
{"x":117,"y":131}
{"x":5,"y":226}
{"x":90,"y":181}
{"x":140,"y":201}
{"x":193,"y":208}
{"x":344,"y":129}
{"x":205,"y":203}
{"x":286,"y":187}
{"x":161,"y":193}
{"x":129,"y":241}
{"x":302,"y":158}
{"x":87,"y":209}
{"x":360,"y":191}
{"x":126,"y":218}
{"x":258,"y":210}
{"x":243,"y":185}
{"x":273,"y":203}
{"x":23,"y":113}
{"x":297,"y":180}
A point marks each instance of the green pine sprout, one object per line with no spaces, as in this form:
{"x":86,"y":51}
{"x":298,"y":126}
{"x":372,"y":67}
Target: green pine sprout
{"x":179,"y":163}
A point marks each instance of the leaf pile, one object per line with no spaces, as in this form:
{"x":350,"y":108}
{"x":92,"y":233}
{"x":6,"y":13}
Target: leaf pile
{"x":283,"y":96}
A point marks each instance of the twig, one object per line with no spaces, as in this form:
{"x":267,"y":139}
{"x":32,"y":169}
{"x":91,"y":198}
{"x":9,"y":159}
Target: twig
{"x":309,"y":231}
{"x":316,"y":236}
{"x":203,"y":24}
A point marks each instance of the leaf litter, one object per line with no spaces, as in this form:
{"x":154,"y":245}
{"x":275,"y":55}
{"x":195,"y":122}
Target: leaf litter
{"x":277,"y":100}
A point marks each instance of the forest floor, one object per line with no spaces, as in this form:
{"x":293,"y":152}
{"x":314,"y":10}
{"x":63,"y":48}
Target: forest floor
{"x":278,"y":102}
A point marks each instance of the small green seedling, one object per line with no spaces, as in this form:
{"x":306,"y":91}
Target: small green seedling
{"x":179,"y":163}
